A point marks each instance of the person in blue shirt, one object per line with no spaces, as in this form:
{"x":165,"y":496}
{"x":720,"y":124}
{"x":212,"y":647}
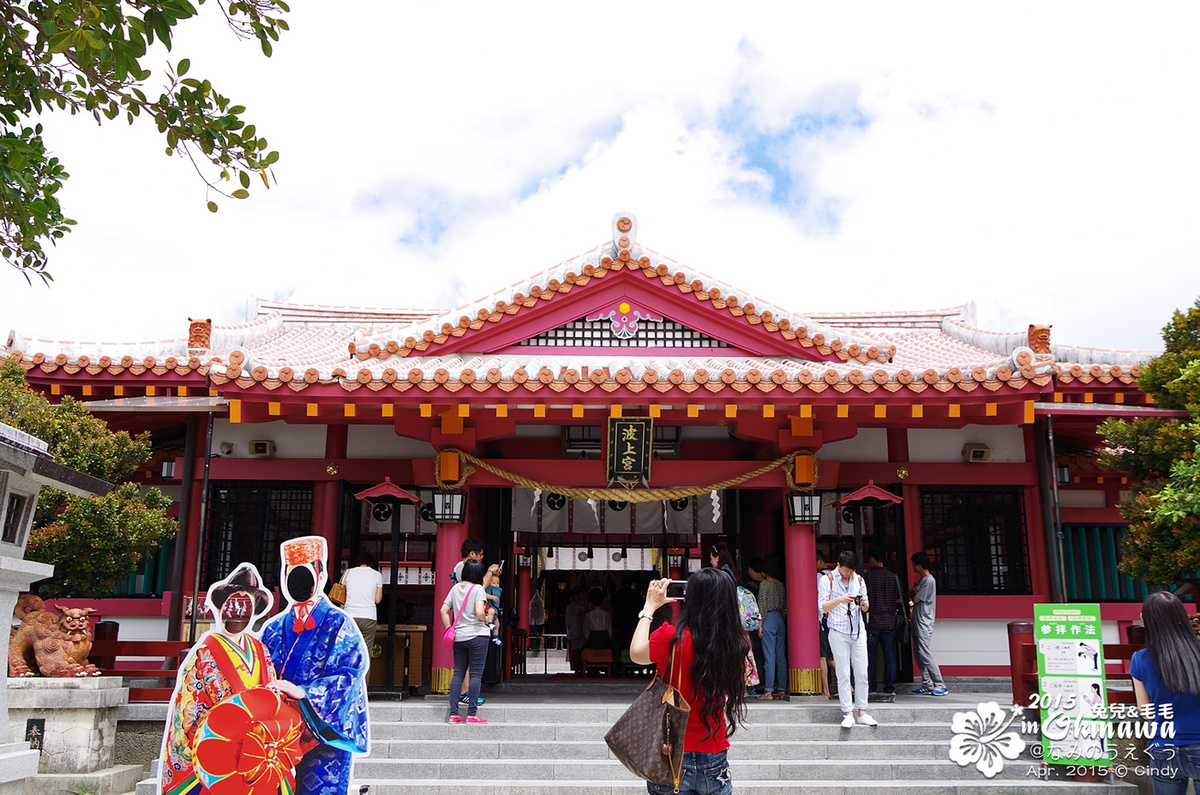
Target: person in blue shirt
{"x":1166,"y":679}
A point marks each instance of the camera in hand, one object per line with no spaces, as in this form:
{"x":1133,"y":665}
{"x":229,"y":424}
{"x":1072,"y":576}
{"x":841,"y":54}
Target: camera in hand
{"x":858,"y":600}
{"x":677,"y":589}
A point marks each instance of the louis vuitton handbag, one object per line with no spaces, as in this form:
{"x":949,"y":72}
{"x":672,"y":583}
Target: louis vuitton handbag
{"x":648,"y":737}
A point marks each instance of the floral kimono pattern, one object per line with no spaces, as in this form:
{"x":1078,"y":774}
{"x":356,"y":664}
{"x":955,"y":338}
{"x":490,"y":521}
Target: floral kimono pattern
{"x":217,"y":668}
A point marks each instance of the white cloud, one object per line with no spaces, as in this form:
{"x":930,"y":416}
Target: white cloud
{"x":1039,"y":160}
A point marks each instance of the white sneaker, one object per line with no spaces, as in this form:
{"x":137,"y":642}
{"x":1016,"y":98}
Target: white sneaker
{"x":848,"y":722}
{"x":866,"y":720}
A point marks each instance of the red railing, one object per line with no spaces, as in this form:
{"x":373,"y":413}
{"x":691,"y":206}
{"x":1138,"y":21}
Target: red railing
{"x":164,"y":654}
{"x":1022,"y":656}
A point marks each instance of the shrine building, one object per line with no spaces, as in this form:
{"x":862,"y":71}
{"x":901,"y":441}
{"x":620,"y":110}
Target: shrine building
{"x":497,"y":416}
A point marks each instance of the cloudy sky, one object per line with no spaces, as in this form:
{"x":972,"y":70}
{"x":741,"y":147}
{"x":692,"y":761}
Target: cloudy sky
{"x":1039,"y":159}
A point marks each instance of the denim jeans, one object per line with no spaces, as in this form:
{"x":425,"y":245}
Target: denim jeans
{"x":774,"y":638}
{"x":471,"y":653}
{"x":1172,"y":766}
{"x":703,"y":774}
{"x":887,"y":639}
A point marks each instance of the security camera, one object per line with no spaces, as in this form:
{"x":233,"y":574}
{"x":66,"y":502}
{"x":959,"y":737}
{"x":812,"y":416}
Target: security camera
{"x":226,"y":448}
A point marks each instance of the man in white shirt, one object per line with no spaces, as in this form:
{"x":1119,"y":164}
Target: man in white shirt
{"x":843,"y":599}
{"x":364,"y":591}
{"x":472,"y":549}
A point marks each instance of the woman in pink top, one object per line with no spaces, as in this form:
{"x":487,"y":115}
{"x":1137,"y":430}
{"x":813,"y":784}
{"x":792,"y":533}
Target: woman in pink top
{"x":712,"y":648}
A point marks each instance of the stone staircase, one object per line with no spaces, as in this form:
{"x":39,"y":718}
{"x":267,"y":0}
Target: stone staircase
{"x":537,"y":744}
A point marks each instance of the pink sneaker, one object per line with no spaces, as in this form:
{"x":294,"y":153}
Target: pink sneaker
{"x":476,"y":719}
{"x":455,"y":719}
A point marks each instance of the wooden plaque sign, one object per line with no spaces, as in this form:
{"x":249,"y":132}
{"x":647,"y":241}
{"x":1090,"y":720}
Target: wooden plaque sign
{"x":630,"y":443}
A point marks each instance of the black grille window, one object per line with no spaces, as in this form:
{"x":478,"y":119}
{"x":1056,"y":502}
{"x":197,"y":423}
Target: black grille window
{"x":976,"y":538}
{"x":650,"y":334}
{"x":14,"y":519}
{"x":247,"y":521}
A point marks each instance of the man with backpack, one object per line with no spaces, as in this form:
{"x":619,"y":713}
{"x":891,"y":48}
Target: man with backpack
{"x":843,"y":599}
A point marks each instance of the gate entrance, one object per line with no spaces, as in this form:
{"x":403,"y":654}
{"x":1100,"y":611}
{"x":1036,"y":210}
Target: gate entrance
{"x":589,"y":565}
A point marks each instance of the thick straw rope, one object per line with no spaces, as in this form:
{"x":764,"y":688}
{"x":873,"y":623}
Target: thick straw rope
{"x":621,"y":494}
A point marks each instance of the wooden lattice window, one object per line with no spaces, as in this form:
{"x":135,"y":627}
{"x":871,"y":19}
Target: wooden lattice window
{"x":976,"y":538}
{"x":247,"y":521}
{"x":650,"y":334}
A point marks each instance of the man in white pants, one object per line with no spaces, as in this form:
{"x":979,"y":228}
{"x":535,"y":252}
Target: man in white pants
{"x":843,"y":598}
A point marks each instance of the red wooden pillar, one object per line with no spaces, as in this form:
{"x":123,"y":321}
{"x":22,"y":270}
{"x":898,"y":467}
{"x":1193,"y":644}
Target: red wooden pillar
{"x":325,"y":498}
{"x":800,"y":552}
{"x":194,"y":529}
{"x":450,"y":538}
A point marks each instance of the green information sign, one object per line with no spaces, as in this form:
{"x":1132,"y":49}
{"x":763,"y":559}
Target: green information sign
{"x":1073,"y":703}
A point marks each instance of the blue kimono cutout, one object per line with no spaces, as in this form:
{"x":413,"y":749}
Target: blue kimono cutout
{"x":319,"y":650}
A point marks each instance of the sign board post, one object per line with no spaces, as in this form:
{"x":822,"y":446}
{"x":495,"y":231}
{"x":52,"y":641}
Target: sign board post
{"x":1071,"y":697}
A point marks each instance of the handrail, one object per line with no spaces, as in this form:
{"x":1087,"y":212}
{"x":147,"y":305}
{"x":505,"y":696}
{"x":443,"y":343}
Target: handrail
{"x":1022,"y":655}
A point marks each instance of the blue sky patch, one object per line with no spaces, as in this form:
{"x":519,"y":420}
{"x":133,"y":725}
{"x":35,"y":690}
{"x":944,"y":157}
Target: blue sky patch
{"x":773,"y":151}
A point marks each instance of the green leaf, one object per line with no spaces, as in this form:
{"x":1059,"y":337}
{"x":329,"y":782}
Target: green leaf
{"x":241,"y":194}
{"x":212,"y":207}
{"x":182,"y":68}
{"x":60,"y":42}
{"x":244,"y":178}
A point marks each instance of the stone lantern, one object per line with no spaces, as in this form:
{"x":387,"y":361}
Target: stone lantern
{"x":25,"y":466}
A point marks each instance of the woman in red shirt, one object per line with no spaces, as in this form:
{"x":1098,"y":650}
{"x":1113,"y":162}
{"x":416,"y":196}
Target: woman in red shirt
{"x":712,"y":648}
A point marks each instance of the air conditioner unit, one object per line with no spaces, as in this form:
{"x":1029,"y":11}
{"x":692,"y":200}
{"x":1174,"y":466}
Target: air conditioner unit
{"x":262,"y":448}
{"x":977,"y":453}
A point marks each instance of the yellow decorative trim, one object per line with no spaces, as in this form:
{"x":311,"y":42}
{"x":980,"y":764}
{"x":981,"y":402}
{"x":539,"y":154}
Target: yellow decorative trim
{"x":441,"y":680}
{"x":804,"y":681}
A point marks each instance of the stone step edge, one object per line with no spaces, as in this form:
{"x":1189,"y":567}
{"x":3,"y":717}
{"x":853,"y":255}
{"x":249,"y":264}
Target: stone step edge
{"x":832,"y":786}
{"x":734,"y":762}
{"x":496,"y":720}
{"x":861,"y":740}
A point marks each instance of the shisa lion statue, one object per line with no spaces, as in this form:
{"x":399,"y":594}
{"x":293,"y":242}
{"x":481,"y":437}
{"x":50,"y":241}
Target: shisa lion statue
{"x":52,"y":645}
{"x":26,"y":604}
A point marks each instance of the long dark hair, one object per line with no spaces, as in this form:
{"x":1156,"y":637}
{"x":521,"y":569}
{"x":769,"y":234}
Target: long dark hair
{"x":1172,"y":643}
{"x":719,"y":646}
{"x":725,"y":561}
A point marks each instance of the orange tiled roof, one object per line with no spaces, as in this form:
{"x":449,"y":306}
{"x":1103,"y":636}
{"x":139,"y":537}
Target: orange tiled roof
{"x":296,"y":345}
